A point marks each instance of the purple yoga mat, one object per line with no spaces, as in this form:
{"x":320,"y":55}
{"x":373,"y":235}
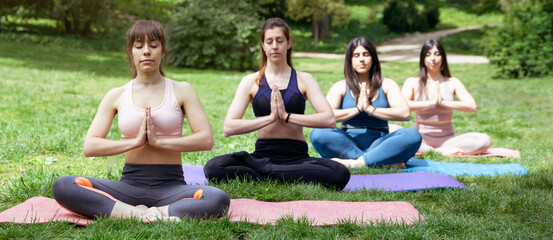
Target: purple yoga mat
{"x":396,"y":182}
{"x":194,"y":175}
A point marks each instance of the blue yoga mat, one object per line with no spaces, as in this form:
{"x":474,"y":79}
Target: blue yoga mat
{"x":460,"y":169}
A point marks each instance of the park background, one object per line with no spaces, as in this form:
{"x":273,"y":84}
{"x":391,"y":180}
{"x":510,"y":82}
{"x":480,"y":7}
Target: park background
{"x":59,"y":57}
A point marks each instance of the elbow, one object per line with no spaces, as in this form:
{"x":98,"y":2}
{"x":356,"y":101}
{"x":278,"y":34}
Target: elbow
{"x":87,"y":151}
{"x":473,"y":109}
{"x":406,"y":116}
{"x":209,"y":143}
{"x":227,"y":131}
{"x":331,"y":121}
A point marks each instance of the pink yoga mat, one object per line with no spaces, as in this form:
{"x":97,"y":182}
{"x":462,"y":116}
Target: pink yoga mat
{"x":321,"y":213}
{"x":40,"y":210}
{"x":491,"y":152}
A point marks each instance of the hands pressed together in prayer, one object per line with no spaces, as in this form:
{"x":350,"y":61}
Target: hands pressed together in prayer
{"x":278,"y":110}
{"x":147,"y":133}
{"x":363,"y":102}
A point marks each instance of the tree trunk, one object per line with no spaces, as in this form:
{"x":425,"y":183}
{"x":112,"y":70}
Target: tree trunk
{"x":320,"y":28}
{"x":87,"y":30}
{"x":324,"y":27}
{"x":68,"y":26}
{"x":315,"y":29}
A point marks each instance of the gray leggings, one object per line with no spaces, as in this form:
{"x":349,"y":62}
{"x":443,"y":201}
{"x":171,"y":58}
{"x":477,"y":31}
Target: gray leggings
{"x":150,"y":185}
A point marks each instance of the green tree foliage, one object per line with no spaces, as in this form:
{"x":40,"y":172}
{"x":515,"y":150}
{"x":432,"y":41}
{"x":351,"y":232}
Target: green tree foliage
{"x":523,"y":45}
{"x":318,"y":12}
{"x":84,"y":17}
{"x":215,"y":34}
{"x":404,"y":16}
{"x":478,"y":7}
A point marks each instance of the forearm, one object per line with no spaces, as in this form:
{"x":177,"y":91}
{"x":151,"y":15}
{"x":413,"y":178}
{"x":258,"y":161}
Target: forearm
{"x":345,"y":114}
{"x":317,"y":120}
{"x":241,"y":126}
{"x":416,"y":105}
{"x":199,"y":141}
{"x":392,"y":114}
{"x":101,"y":147}
{"x":458,"y":105}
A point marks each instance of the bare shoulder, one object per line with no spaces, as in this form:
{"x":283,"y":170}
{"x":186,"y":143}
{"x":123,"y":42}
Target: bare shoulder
{"x":454,"y":80}
{"x":340,"y":85}
{"x":386,"y":82}
{"x":182,"y":87}
{"x":114,"y":96}
{"x":250,"y":78}
{"x":411,"y":81}
{"x":304,"y":76}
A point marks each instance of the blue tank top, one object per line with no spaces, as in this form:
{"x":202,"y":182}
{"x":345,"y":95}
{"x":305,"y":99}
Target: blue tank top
{"x":292,"y":97}
{"x":363,"y":119}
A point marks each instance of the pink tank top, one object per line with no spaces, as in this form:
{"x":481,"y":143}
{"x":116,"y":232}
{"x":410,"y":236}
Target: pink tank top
{"x":167,"y":117}
{"x":436,"y":113}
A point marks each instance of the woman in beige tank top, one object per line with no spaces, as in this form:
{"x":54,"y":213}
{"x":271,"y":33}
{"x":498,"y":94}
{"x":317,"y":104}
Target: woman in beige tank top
{"x":432,"y":96}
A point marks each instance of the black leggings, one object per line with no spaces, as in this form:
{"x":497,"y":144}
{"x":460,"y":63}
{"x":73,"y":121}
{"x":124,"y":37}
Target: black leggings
{"x":141,"y":184}
{"x":281,"y":160}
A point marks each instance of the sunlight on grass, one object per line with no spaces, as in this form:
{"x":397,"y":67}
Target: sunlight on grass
{"x":452,"y":17}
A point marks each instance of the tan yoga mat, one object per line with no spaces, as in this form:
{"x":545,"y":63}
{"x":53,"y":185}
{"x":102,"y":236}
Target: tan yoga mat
{"x":38,"y":210}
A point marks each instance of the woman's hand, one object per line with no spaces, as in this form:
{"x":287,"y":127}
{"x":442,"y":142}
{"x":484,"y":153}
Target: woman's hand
{"x":151,"y":136}
{"x":363,"y":101}
{"x":142,"y":137}
{"x":278,"y":103}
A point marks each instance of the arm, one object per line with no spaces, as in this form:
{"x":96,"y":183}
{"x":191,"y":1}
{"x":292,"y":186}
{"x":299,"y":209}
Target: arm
{"x":201,"y":138}
{"x":466,"y":102}
{"x":335,"y":96}
{"x":234,"y":124}
{"x":408,"y":90}
{"x":324,"y":117}
{"x":398,"y":110}
{"x":95,"y":142}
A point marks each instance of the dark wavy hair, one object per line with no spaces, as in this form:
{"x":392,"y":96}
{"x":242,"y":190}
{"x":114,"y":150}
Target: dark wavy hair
{"x":375,"y":73}
{"x":270,"y":24}
{"x":423,"y":71}
{"x":136,"y":33}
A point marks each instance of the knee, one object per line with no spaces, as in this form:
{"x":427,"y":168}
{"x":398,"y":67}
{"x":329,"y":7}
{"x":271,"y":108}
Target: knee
{"x":316,"y":136}
{"x":211,"y":168}
{"x":341,"y":176}
{"x":484,"y":140}
{"x":219,"y":202}
{"x":412,"y":135}
{"x":62,"y":184}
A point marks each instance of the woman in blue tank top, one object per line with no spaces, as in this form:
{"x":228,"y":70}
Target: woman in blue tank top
{"x":278,"y":93}
{"x":364,"y":102}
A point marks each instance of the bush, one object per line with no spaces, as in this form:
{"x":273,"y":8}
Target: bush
{"x":403,"y":16}
{"x":523,"y":45}
{"x":215,"y":34}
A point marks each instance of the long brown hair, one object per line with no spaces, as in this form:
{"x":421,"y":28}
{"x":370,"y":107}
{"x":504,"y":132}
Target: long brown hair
{"x":137,"y":32}
{"x":375,"y":74}
{"x":423,"y":71}
{"x":270,"y":24}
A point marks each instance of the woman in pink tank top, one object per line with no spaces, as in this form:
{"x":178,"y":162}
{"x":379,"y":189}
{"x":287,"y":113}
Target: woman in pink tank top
{"x":151,"y":110}
{"x":432,"y":96}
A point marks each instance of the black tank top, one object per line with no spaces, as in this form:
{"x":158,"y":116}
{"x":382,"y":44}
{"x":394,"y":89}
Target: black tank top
{"x":292,"y":97}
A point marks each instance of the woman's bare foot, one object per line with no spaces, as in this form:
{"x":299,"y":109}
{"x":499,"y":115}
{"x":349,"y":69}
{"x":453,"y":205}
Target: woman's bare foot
{"x":450,"y":151}
{"x":399,"y":165}
{"x":351,"y":163}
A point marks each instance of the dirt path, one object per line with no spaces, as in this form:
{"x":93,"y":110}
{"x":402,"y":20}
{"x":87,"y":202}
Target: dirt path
{"x":407,"y":49}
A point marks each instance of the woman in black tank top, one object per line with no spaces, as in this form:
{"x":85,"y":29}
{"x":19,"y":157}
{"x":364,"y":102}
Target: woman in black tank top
{"x":281,"y":149}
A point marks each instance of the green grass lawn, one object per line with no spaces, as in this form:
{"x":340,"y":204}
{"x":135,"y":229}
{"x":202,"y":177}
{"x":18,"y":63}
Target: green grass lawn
{"x":49,"y":95}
